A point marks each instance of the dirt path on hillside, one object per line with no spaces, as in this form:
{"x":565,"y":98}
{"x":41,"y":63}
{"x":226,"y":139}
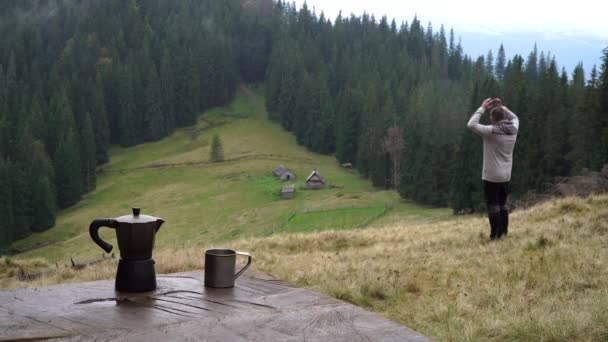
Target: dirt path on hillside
{"x":198,"y":163}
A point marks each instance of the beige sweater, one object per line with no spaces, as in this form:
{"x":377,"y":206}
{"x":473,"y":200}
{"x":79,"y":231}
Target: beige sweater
{"x":498,"y":143}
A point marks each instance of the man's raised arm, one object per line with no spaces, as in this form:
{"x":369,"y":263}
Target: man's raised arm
{"x":511,"y":117}
{"x":474,"y":124}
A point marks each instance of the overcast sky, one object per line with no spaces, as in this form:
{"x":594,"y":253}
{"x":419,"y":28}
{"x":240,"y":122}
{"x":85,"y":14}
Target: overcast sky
{"x":574,"y":17}
{"x":574,"y":31}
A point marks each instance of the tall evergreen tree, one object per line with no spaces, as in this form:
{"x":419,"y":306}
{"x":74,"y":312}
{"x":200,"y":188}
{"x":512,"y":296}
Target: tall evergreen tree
{"x":68,"y":178}
{"x":88,"y":160}
{"x":490,"y":63}
{"x":500,"y":63}
{"x":153,"y":120}
{"x":217,"y":149}
{"x":602,"y":121}
{"x":7,"y":224}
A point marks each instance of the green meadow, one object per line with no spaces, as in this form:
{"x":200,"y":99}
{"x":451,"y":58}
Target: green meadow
{"x":207,"y":203}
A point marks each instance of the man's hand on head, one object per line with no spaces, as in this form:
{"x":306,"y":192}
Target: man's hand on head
{"x":486,"y":103}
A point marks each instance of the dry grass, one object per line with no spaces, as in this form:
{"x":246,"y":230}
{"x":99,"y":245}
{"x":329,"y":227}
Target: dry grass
{"x":548,"y":281}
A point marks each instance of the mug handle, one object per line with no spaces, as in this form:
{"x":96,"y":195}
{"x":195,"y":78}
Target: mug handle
{"x":244,"y":267}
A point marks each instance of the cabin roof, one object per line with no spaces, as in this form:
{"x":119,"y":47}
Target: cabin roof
{"x":317,"y":174}
{"x":280,"y":170}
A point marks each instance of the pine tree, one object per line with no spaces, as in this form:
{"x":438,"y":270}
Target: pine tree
{"x":20,"y":194}
{"x":167,"y":93}
{"x":532,"y":67}
{"x":582,"y":126}
{"x":555,"y":132}
{"x":34,"y":189}
{"x":129,"y":126}
{"x":99,"y":118}
{"x":7,"y":224}
{"x":59,"y":119}
{"x":217,"y":149}
{"x":87,"y":149}
{"x":153,"y":122}
{"x":602,"y":121}
{"x":68,"y":179}
{"x":43,"y":204}
{"x":490,"y":63}
{"x":42,"y":194}
{"x":347,"y":127}
{"x":322,"y":137}
{"x":500,"y":63}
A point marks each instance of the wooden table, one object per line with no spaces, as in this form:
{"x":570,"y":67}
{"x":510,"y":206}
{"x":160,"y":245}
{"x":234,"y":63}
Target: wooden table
{"x":258,"y":308}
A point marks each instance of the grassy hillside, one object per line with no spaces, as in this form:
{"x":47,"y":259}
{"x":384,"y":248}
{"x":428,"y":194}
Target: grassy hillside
{"x":438,"y":274}
{"x":547,"y":281}
{"x":208,"y":203}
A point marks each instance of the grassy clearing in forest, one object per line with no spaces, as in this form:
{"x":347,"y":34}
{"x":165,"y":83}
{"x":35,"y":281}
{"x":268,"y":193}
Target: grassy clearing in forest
{"x":209,"y":203}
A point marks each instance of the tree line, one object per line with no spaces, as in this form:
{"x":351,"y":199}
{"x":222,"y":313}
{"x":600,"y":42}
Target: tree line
{"x":394,"y":101}
{"x":79,"y":76}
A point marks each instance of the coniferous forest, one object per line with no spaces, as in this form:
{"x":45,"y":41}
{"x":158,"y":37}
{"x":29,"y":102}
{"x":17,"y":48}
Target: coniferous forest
{"x":77,"y":76}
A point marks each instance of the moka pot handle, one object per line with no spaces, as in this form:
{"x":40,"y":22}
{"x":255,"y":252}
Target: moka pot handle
{"x":94,"y":231}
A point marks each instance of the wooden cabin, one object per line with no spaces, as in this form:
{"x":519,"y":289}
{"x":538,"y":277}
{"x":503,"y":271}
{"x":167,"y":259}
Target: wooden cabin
{"x":279,"y":171}
{"x":284,"y":174}
{"x":314,"y":181}
{"x":288,"y":192}
{"x":287,"y":176}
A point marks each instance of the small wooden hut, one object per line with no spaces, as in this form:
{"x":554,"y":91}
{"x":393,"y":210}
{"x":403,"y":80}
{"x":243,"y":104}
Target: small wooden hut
{"x":283,"y":173}
{"x":288,"y":192}
{"x":279,"y":171}
{"x":287,"y":176}
{"x":315,"y":181}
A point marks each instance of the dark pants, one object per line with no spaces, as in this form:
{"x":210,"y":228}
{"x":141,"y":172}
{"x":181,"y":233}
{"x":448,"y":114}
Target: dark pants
{"x":496,"y":199}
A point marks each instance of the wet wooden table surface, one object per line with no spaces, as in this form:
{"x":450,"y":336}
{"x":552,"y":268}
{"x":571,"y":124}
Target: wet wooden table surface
{"x":258,"y":308}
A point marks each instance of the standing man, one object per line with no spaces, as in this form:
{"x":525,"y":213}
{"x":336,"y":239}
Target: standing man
{"x":498,"y":143}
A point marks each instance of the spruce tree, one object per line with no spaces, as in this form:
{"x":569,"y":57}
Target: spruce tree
{"x":592,"y":107}
{"x":153,"y":122}
{"x":490,"y":63}
{"x":88,"y":160}
{"x":42,"y":194}
{"x":532,"y":66}
{"x":99,"y":118}
{"x":167,"y":92}
{"x":217,"y":150}
{"x":68,"y":180}
{"x":500,"y":63}
{"x":581,"y":123}
{"x":602,"y":121}
{"x":7,"y":224}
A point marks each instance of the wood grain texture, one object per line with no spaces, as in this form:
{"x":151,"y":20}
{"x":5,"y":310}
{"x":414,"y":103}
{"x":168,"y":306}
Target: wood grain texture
{"x":258,"y":308}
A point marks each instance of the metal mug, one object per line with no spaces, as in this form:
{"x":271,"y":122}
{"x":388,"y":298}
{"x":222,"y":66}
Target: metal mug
{"x":220,"y":265}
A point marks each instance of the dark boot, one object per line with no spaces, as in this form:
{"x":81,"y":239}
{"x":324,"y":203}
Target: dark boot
{"x":495,"y":225}
{"x":504,"y":217}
